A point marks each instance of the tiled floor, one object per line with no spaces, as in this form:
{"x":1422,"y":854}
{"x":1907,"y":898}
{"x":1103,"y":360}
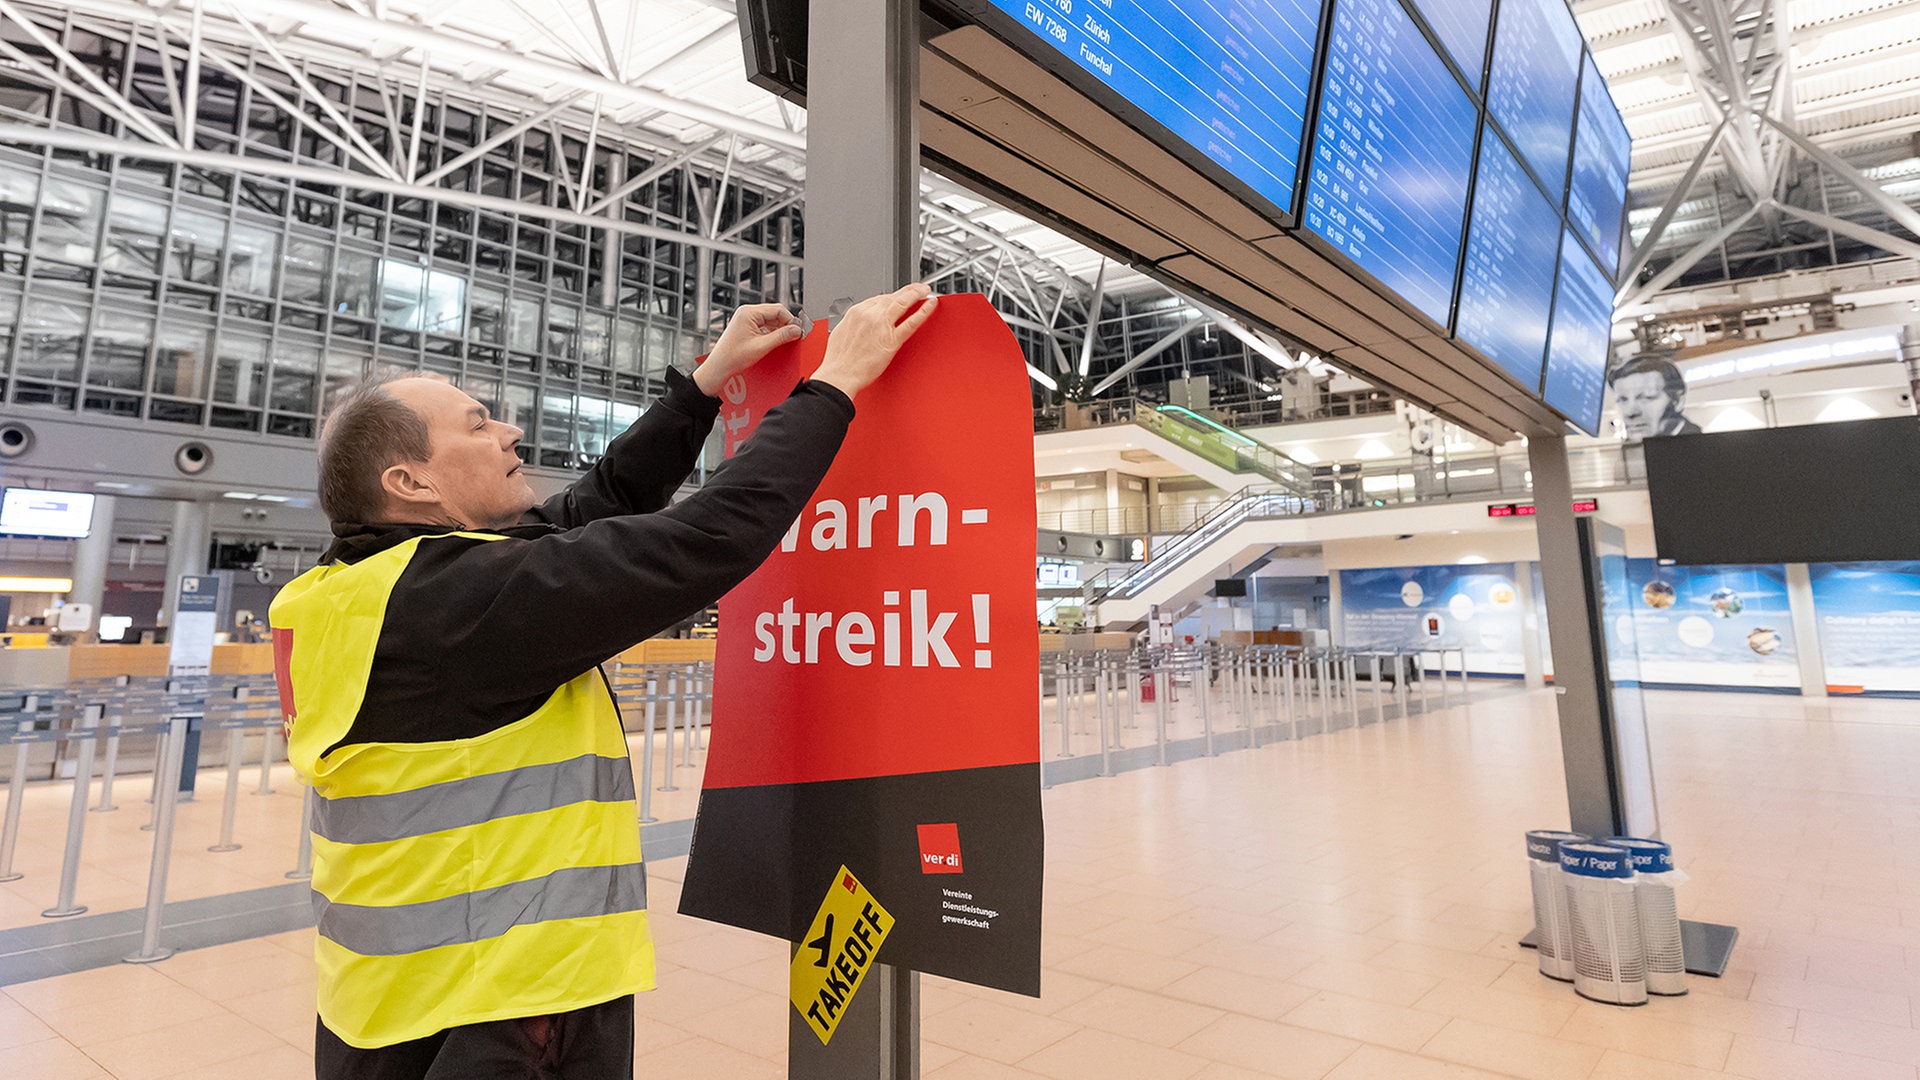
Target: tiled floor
{"x":1342,"y":907}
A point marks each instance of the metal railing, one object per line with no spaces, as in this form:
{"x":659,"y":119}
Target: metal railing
{"x":1502,"y":475}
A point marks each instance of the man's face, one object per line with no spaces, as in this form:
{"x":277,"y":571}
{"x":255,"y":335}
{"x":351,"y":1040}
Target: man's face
{"x":1645,"y":406}
{"x":471,"y":461}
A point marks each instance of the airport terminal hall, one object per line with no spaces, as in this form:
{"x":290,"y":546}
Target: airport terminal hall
{"x":960,"y":539}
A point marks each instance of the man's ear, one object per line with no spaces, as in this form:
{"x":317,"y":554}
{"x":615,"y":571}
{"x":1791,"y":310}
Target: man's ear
{"x":409,"y":485}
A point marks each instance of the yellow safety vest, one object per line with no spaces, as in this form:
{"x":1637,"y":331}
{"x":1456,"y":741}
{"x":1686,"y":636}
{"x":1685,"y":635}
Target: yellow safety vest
{"x":463,"y":881}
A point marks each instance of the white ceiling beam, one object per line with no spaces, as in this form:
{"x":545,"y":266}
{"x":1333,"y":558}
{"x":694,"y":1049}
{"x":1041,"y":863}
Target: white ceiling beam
{"x":95,"y":143}
{"x":342,"y":24}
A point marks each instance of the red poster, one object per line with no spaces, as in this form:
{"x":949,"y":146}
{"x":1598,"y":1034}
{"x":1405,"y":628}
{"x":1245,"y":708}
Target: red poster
{"x":875,"y":700}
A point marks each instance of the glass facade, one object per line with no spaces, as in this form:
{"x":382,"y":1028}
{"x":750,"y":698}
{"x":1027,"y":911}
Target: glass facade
{"x":169,"y":294}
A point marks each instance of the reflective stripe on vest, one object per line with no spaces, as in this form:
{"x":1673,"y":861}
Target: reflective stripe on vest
{"x":574,"y":893}
{"x":462,"y":881}
{"x":452,"y":804}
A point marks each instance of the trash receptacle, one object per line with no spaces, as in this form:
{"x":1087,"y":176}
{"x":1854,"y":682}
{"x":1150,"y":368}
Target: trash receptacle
{"x":1551,"y":930}
{"x":1608,"y":964}
{"x":1654,"y":882}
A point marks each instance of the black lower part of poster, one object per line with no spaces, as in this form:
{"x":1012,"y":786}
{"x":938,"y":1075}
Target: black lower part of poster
{"x":764,"y":857}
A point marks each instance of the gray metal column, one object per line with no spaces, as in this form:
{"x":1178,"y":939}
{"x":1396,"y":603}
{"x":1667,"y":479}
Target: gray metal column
{"x":90,"y":559}
{"x":863,"y":208}
{"x":1910,"y":355}
{"x":1530,"y":657}
{"x":1806,"y":632}
{"x":1576,"y":679}
{"x":1336,"y":634}
{"x":186,"y":549}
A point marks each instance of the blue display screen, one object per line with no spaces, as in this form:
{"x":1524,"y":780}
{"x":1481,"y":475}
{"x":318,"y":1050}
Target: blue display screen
{"x":1513,"y":244}
{"x":1229,"y":78}
{"x":1462,"y":28}
{"x":1602,"y":151}
{"x":1535,"y":77}
{"x":1392,"y":148}
{"x":1576,"y":374}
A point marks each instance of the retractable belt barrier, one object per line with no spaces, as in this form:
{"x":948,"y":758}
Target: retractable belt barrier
{"x":1205,"y":698}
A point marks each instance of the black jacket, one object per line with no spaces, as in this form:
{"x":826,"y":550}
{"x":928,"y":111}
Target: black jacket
{"x":478,"y":633}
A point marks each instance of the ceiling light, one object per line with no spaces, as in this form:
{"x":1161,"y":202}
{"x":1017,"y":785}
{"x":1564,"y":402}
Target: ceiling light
{"x":36,"y":584}
{"x":1844,"y":409}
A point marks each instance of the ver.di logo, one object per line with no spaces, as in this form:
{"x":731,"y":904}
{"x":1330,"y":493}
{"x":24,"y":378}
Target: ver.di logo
{"x":940,"y":849}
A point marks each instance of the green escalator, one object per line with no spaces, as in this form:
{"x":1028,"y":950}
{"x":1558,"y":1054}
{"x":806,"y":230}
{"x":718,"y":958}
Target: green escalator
{"x":1224,"y":446}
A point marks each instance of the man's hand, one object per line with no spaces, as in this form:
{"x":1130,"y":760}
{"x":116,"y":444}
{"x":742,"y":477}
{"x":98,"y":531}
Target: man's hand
{"x":869,"y":335}
{"x":752,"y":333}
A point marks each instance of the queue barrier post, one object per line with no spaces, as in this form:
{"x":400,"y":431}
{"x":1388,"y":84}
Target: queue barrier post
{"x":16,"y":791}
{"x":303,"y":858}
{"x":164,"y":804}
{"x":85,"y":733}
{"x":230,"y":800}
{"x":109,"y":770}
{"x":646,"y":756}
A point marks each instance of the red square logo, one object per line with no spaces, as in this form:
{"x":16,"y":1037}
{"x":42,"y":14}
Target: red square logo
{"x":940,"y":849}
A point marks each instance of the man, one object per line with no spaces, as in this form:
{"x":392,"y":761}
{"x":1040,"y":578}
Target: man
{"x":477,"y":874}
{"x":1651,"y":395}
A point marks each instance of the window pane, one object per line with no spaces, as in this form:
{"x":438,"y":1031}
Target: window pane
{"x":556,"y":421}
{"x":401,"y":290}
{"x":194,"y":252}
{"x":117,"y":355}
{"x":69,"y":222}
{"x":444,"y":311}
{"x":523,"y":330}
{"x":50,"y":338}
{"x":19,"y":193}
{"x":184,"y":349}
{"x":296,"y":367}
{"x":563,"y":331}
{"x":629,"y":347}
{"x":250,"y":259}
{"x":595,"y":343}
{"x":136,"y":228}
{"x":354,"y":278}
{"x":303,"y":274}
{"x":489,"y":315}
{"x":240,"y":370}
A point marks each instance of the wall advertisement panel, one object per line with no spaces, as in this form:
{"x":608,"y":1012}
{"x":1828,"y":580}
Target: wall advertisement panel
{"x":1869,"y":616}
{"x":1476,"y":608}
{"x":1723,"y":627}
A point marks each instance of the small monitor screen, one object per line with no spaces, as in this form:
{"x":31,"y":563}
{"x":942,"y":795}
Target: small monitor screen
{"x":1461,"y":26}
{"x":1392,"y":149}
{"x":1582,"y":337}
{"x":1602,"y":151}
{"x":33,"y":512}
{"x":115,"y":627}
{"x":1513,"y":245}
{"x":1228,"y":80}
{"x":1535,"y":77}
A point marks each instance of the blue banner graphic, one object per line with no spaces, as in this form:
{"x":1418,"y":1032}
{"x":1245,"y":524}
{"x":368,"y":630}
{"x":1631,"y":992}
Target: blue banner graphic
{"x":1697,"y":626}
{"x":1476,"y":608}
{"x":1869,"y":616}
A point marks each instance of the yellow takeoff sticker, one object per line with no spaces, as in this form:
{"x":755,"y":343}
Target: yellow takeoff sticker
{"x":838,"y":953}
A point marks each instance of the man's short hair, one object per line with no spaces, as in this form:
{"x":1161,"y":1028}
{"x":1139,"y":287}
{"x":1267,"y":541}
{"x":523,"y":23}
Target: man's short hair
{"x":1676,"y":383}
{"x":368,"y":431}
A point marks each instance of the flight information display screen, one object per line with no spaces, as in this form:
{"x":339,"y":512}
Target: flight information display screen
{"x":1393,"y":145}
{"x":1534,"y":80}
{"x":1513,"y":245}
{"x":1229,"y":79}
{"x":1576,"y":373}
{"x":1602,"y":151}
{"x":1462,"y":27}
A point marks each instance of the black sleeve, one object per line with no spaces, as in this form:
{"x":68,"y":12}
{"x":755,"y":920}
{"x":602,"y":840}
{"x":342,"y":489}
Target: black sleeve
{"x":479,"y":632}
{"x":644,"y":465}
